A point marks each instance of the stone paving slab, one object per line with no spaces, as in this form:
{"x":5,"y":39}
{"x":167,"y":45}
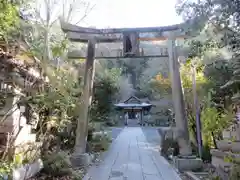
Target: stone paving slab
{"x":132,"y":157}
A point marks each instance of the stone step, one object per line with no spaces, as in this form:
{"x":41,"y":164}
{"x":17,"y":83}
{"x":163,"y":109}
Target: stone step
{"x":221,"y":163}
{"x":232,"y":146}
{"x":222,"y":154}
{"x":219,"y":159}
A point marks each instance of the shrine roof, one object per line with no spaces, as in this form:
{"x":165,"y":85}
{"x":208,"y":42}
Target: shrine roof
{"x":123,"y":105}
{"x":133,"y":101}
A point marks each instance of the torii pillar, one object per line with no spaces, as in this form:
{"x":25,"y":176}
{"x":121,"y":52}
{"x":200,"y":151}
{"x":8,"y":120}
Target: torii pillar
{"x":78,"y":34}
{"x":178,"y":100}
{"x":79,"y":156}
{"x":82,"y":125}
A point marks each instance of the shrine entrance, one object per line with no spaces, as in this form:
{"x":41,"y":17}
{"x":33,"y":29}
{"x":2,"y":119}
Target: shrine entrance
{"x":129,"y":39}
{"x":135,"y":110}
{"x":132,"y":114}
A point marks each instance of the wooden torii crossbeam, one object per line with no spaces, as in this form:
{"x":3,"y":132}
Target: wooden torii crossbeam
{"x":81,"y":37}
{"x":130,"y":38}
{"x":67,"y":27}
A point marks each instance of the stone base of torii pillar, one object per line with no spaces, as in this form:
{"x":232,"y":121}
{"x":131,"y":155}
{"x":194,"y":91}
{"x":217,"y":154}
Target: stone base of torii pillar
{"x":186,"y":161}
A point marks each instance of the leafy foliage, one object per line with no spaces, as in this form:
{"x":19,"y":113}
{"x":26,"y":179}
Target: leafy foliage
{"x":6,"y":167}
{"x":130,"y":67}
{"x":104,"y":94}
{"x":159,"y":86}
{"x":215,"y":26}
{"x":221,"y":18}
{"x":9,"y":17}
{"x":214,"y":122}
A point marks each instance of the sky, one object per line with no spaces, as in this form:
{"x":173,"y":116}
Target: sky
{"x":132,"y":13}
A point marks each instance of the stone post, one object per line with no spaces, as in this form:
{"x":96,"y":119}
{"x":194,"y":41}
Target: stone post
{"x":178,"y":100}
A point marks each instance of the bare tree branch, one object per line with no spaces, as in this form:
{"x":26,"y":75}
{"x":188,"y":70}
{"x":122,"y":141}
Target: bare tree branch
{"x":87,"y":11}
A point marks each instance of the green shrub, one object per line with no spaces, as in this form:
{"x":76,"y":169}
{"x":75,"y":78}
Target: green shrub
{"x":235,"y":172}
{"x":206,"y":154}
{"x":6,"y":166}
{"x":215,"y":178}
{"x":194,"y":148}
{"x":99,"y":136}
{"x":57,"y":164}
{"x":110,"y":123}
{"x":100,"y":141}
{"x":5,"y":169}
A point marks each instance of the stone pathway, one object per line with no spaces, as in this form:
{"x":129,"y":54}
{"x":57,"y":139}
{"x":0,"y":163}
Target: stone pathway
{"x":132,"y":157}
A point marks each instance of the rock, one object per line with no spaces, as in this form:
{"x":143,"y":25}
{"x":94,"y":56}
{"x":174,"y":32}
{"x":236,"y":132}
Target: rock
{"x":81,"y":160}
{"x":235,"y":147}
{"x":187,"y":164}
{"x":224,"y":145}
{"x":27,"y":171}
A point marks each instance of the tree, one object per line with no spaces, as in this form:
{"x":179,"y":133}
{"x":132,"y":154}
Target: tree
{"x":214,"y":122}
{"x":131,"y":67}
{"x":223,"y":18}
{"x":59,"y":101}
{"x":160,"y":86}
{"x":219,"y":73}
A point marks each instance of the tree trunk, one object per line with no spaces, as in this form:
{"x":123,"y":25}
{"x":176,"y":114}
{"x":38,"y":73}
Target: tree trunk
{"x":214,"y":140}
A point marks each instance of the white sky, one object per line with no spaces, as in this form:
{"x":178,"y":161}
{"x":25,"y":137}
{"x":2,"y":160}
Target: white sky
{"x":132,"y":13}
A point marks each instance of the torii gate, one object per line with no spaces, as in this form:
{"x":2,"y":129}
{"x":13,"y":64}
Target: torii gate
{"x":131,"y":38}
